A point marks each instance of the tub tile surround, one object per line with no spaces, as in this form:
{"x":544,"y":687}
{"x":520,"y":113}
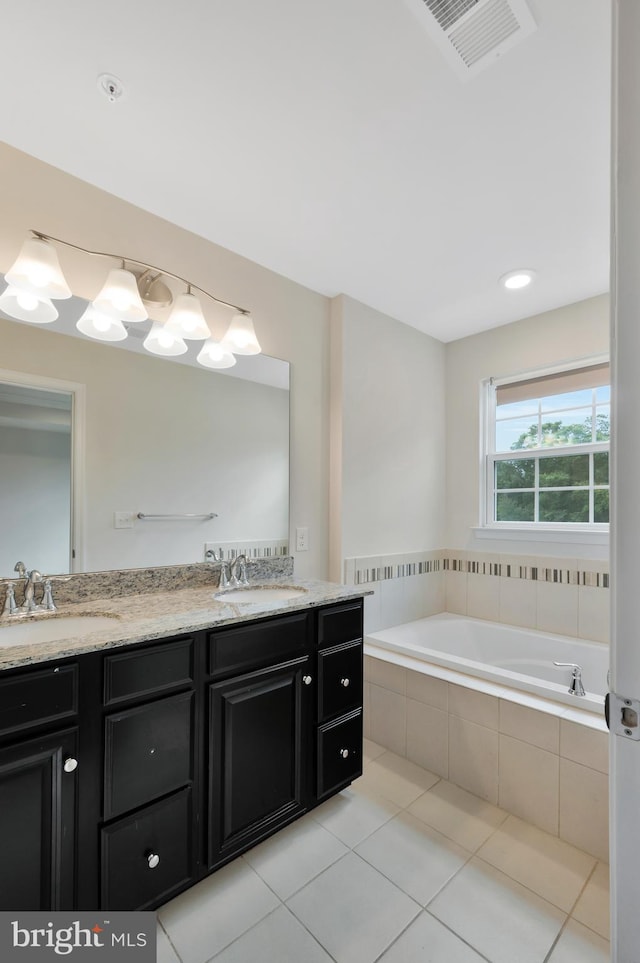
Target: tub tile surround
{"x":550,"y":770}
{"x":565,"y":596}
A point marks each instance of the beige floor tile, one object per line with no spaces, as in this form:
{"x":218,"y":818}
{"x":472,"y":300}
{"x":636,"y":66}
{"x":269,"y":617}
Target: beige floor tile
{"x":291,"y":858}
{"x":426,"y":940}
{"x":353,"y":816}
{"x":165,"y":952}
{"x":214,"y":912}
{"x":279,"y":938}
{"x":396,"y":779}
{"x":592,"y":908}
{"x":458,"y":814}
{"x":545,"y":864}
{"x":497,"y":916}
{"x":414,"y":856}
{"x":353,"y":911}
{"x":577,"y":944}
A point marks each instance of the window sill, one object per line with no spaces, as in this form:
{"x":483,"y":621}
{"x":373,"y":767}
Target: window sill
{"x":575,"y":536}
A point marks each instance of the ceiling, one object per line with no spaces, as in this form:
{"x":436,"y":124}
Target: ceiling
{"x":332,"y":142}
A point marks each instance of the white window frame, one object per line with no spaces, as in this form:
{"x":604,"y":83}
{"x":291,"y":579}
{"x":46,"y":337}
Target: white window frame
{"x":596,"y":532}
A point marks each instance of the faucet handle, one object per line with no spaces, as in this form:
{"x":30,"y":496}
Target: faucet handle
{"x":21,"y":569}
{"x":47,"y":597}
{"x":10,"y":604}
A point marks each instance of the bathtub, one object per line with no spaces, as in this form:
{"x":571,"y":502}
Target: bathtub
{"x":506,"y":655}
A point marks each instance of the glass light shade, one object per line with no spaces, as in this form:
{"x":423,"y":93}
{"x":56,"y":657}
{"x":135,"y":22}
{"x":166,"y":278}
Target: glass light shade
{"x":241,"y":336}
{"x":161,"y":340}
{"x":27,"y":307}
{"x":100,"y":326}
{"x":515,"y":280}
{"x":37,"y":271}
{"x":187,"y":319}
{"x":214,"y":354}
{"x":120,"y":298}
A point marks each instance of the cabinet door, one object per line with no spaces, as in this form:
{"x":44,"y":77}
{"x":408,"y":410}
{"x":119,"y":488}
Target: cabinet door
{"x":258,"y":755}
{"x":37,"y":823}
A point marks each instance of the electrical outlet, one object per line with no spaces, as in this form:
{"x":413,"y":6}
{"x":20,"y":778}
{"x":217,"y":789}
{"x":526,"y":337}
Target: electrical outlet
{"x":302,"y":539}
{"x":123,"y":519}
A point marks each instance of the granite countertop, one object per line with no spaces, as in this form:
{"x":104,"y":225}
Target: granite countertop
{"x":139,"y":618}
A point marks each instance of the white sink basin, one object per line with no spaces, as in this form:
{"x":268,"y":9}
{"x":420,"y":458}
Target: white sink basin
{"x":51,"y":629}
{"x":264,"y":593}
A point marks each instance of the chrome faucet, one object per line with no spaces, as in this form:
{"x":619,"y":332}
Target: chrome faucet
{"x":29,"y":606}
{"x":34,"y":577}
{"x":223,"y":579}
{"x":239,"y":562}
{"x":575,"y":687}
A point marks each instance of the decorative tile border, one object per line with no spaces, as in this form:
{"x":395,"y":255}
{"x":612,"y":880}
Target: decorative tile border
{"x":227,"y":551}
{"x":360,"y":571}
{"x":535,"y":573}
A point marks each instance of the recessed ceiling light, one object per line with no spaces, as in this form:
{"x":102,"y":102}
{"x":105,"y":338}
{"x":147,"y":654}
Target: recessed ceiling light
{"x":515,"y":280}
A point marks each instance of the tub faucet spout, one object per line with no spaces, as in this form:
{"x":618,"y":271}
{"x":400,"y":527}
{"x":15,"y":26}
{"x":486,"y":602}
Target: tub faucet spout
{"x":575,"y":687}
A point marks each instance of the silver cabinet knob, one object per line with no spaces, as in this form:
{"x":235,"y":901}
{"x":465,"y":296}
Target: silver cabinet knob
{"x":153,"y":859}
{"x":307,"y":679}
{"x":70,"y":764}
{"x":345,"y":683}
{"x":344,"y":753}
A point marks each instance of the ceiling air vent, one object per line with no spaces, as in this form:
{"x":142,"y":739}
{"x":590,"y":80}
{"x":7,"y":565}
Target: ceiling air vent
{"x":472,"y":34}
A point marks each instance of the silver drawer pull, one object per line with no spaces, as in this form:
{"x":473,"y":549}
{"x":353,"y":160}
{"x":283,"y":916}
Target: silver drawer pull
{"x":70,"y":764}
{"x":344,"y":753}
{"x":153,"y":859}
{"x":307,"y":679}
{"x":345,"y":683}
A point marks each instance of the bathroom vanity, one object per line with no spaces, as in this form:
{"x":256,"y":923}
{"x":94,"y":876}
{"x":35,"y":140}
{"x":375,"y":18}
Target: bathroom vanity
{"x":131,"y":768}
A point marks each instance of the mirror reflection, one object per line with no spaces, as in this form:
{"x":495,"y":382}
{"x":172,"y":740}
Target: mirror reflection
{"x":92,"y":435}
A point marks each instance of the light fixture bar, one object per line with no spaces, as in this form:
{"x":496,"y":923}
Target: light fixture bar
{"x":144,"y":264}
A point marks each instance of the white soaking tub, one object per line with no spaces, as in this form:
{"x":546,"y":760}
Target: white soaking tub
{"x":520,"y":659}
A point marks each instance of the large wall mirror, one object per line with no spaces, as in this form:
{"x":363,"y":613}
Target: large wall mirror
{"x":94,"y":435}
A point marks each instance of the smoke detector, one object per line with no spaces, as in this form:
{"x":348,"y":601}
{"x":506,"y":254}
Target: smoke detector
{"x":473,"y":34}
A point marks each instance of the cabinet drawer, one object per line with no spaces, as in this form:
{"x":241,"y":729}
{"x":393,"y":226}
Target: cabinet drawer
{"x":147,"y":857}
{"x":143,"y":671}
{"x":339,"y":679}
{"x":147,"y":752}
{"x":258,"y":643}
{"x":339,"y":753}
{"x":35,"y":698}
{"x":341,"y":623}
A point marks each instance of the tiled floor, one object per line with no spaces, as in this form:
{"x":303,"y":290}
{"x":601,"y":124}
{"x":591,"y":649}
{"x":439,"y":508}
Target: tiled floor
{"x":403,"y":867}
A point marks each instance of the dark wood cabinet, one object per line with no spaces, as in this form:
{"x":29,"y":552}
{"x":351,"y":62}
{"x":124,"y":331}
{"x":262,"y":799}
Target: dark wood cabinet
{"x":258,"y":755}
{"x":189,"y":751}
{"x":38,"y":790}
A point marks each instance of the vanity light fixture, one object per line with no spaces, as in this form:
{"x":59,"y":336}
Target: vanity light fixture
{"x":27,"y":307}
{"x":162,"y":340}
{"x":100,"y":326}
{"x":214,"y":354}
{"x":516,"y":280}
{"x":35,"y":279}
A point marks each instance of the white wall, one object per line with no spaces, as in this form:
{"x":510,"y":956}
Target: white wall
{"x":291,"y":321}
{"x":392,"y":398}
{"x":575,"y":331}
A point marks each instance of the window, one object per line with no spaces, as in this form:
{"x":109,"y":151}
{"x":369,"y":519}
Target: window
{"x":547,"y":451}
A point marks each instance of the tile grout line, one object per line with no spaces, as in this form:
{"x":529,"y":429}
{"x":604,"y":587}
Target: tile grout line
{"x":570,"y":917}
{"x":169,"y":940}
